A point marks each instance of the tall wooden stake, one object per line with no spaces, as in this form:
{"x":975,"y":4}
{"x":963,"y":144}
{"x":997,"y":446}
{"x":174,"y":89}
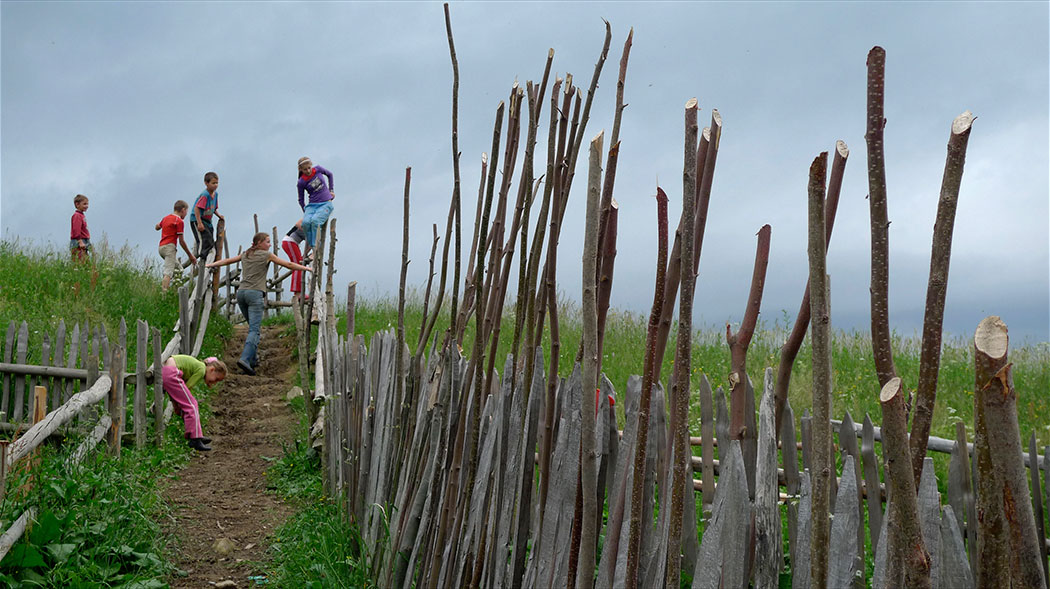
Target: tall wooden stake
{"x":822,"y":462}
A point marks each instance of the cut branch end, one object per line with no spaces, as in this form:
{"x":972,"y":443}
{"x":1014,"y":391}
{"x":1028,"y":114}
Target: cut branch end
{"x":892,"y":388}
{"x":991,"y":337}
{"x":962,"y":123}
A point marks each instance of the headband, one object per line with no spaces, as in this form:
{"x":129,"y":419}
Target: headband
{"x":210,"y":359}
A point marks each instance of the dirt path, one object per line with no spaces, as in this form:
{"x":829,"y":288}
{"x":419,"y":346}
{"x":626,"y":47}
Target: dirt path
{"x":222,"y":493}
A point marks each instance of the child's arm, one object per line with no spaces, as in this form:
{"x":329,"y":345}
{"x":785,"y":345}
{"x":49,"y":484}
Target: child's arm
{"x":157,"y":227}
{"x":287,"y":264}
{"x":199,"y":215}
{"x":302,"y":195}
{"x":331,"y":186}
{"x":182,"y":240}
{"x":225,"y":262}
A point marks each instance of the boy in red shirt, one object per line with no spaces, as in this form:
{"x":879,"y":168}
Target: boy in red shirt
{"x":170,"y":228}
{"x":79,"y":236}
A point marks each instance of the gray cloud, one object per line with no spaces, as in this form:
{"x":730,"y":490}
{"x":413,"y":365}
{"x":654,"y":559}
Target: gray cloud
{"x":132,"y":103}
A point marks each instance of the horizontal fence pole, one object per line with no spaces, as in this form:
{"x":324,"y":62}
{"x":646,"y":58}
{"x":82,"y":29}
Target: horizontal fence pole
{"x":936,"y":444}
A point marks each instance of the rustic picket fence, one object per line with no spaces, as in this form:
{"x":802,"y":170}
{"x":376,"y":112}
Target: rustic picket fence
{"x":422,"y":536}
{"x":62,"y":390}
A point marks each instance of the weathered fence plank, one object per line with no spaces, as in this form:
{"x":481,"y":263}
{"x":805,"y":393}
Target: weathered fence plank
{"x":20,"y":381}
{"x":930,"y":518}
{"x":768,"y":540}
{"x":955,"y":569}
{"x":5,"y":402}
{"x":800,"y":567}
{"x":871,"y":482}
{"x":842,"y":551}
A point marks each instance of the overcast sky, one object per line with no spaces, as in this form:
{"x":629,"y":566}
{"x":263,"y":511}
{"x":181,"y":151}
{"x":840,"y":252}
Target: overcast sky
{"x":130,"y":103}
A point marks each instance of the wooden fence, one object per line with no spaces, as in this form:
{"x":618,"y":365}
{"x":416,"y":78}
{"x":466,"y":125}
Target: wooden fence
{"x":42,"y":398}
{"x":424,"y":536}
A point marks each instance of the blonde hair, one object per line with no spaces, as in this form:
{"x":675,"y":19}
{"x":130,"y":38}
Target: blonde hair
{"x":217,"y":364}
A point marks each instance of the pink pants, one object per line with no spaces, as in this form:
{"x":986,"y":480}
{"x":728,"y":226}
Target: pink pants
{"x":185,"y":402}
{"x":294,"y":255}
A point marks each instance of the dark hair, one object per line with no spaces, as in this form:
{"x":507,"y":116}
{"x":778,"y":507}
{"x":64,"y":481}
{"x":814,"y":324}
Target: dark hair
{"x":259,"y":237}
{"x":79,"y":199}
{"x":180,"y":205}
{"x":210,"y":176}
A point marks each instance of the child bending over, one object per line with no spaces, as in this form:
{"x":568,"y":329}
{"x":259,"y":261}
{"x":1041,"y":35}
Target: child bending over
{"x":179,"y":374}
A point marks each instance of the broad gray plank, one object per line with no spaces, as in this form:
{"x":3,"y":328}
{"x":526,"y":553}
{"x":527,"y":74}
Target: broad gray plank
{"x":20,"y":380}
{"x":930,"y":518}
{"x":722,"y":531}
{"x":800,"y":567}
{"x":707,"y":433}
{"x":842,"y":551}
{"x":1037,"y":501}
{"x":768,"y":537}
{"x":871,"y":481}
{"x":848,"y":441}
{"x":612,"y":564}
{"x":955,"y":569}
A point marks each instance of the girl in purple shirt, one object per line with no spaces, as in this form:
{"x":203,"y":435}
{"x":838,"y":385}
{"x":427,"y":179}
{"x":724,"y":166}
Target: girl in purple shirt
{"x":319,"y":207}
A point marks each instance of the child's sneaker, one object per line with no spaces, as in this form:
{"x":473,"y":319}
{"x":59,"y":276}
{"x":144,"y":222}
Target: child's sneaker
{"x":198,"y":444}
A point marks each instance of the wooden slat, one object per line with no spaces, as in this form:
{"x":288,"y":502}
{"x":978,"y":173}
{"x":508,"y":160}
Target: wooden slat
{"x":20,"y":381}
{"x":721,"y":421}
{"x":1037,"y":503}
{"x":768,"y":539}
{"x":749,"y":441}
{"x":158,"y":391}
{"x":5,"y":402}
{"x":59,"y":385}
{"x":955,"y":569}
{"x":613,"y":562}
{"x":45,"y":360}
{"x":842,"y":549}
{"x":800,"y":567}
{"x":735,"y":512}
{"x":707,"y":432}
{"x":122,"y":341}
{"x":71,"y":361}
{"x":141,"y":342}
{"x":848,"y":441}
{"x":871,"y":481}
{"x":806,"y":427}
{"x":789,"y":457}
{"x":930,"y":518}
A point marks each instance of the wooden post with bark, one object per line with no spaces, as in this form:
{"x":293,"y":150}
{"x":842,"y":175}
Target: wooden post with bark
{"x":116,"y":409}
{"x":681,"y":453}
{"x":648,"y":370}
{"x":908,"y":562}
{"x":791,"y":346}
{"x":936,"y":291}
{"x":1008,"y":546}
{"x":588,"y":463}
{"x":822,"y":461}
{"x":739,"y":402}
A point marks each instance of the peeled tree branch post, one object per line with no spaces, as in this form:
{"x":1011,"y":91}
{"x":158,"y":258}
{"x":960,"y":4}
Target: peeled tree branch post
{"x":936,"y":291}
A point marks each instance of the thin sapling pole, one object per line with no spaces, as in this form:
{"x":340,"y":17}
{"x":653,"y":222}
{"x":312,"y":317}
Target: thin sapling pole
{"x":821,"y":454}
{"x":789,"y":351}
{"x":638,"y":484}
{"x":682,"y":453}
{"x":937,"y":289}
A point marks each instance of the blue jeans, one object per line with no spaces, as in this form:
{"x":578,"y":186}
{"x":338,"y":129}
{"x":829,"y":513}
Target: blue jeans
{"x":251,"y":303}
{"x":315,"y":215}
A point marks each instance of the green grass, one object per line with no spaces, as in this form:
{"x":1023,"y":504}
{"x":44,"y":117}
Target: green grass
{"x":317,"y":546}
{"x":855,"y":385}
{"x":99,"y":524}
